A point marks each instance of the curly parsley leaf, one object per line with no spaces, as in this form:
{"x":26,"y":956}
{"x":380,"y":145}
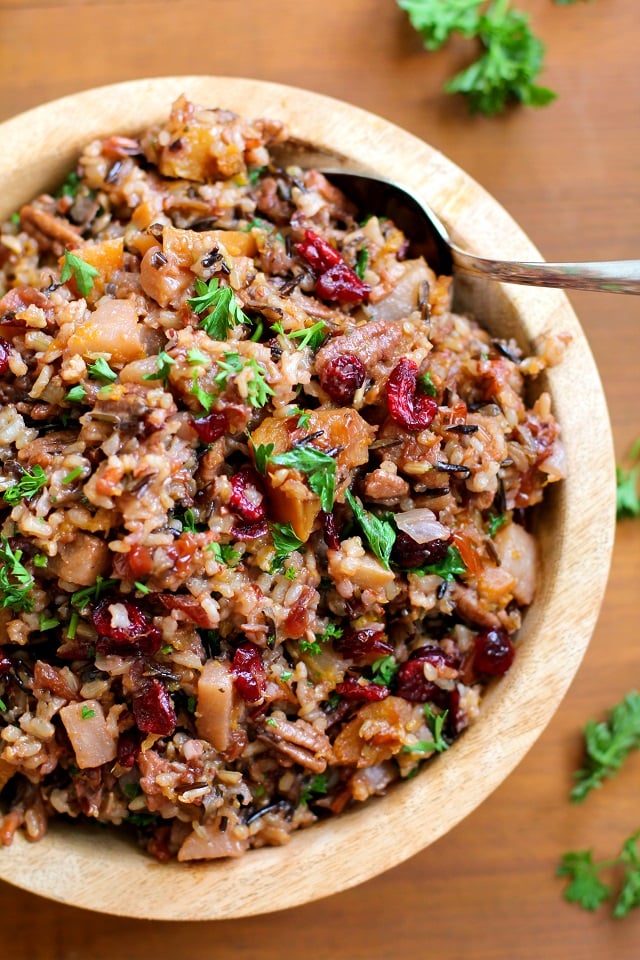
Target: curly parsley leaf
{"x":82,"y":272}
{"x":380,"y":534}
{"x":16,"y":582}
{"x":27,"y":486}
{"x":607,"y":746}
{"x":585,"y":886}
{"x":436,"y":20}
{"x":223,"y":312}
{"x":451,"y":567}
{"x":285,"y":542}
{"x":319,"y":467}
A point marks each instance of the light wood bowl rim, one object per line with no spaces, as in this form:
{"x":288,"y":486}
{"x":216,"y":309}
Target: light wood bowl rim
{"x":94,"y":869}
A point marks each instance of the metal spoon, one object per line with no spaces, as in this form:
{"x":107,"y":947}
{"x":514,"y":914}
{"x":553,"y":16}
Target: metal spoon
{"x":429,"y":238}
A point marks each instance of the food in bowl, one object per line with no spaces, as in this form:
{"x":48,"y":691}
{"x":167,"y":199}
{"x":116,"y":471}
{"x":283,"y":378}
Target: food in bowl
{"x":263,"y":496}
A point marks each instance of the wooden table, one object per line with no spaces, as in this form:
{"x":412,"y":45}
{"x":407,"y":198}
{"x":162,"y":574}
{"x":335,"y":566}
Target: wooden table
{"x":570,"y":175}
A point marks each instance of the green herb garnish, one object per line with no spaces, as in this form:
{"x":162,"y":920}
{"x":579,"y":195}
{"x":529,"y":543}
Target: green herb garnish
{"x":87,"y":713}
{"x":319,"y":468}
{"x":427,"y":385}
{"x":587,"y":889}
{"x":316,"y":788}
{"x":76,"y":394}
{"x":196,"y":357}
{"x":362,"y":262}
{"x":102,"y":371}
{"x":224,"y":553}
{"x":607,"y":745}
{"x":224,"y":311}
{"x":384,"y":670}
{"x":72,"y":475}
{"x":261,"y":455}
{"x":27,"y":486}
{"x":285,"y":542}
{"x":380,"y":534}
{"x":16,"y":582}
{"x":435,"y":722}
{"x":495,"y":522}
{"x":70,"y":186}
{"x":627,"y":499}
{"x":40,"y":560}
{"x":163,"y":367}
{"x":312,"y":337}
{"x":82,"y":598}
{"x":451,"y":567}
{"x":47,"y":623}
{"x":83,"y":273}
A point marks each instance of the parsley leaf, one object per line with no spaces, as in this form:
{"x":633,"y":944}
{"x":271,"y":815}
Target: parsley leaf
{"x":585,"y":887}
{"x":224,"y":311}
{"x":629,"y":895}
{"x":81,"y":598}
{"x":384,"y":670}
{"x":496,"y":520}
{"x":436,"y":20}
{"x":224,"y":553}
{"x":15,"y":580}
{"x":435,"y":722}
{"x":102,"y":371}
{"x":362,"y":262}
{"x":319,"y":467}
{"x":163,"y":367}
{"x":312,"y":337}
{"x":261,"y":454}
{"x":316,"y":788}
{"x":76,"y":394}
{"x":608,"y":745}
{"x":627,"y":499}
{"x":82,"y":272}
{"x":70,"y":186}
{"x":27,"y":486}
{"x":87,"y":713}
{"x":427,"y":385}
{"x":449,"y":568}
{"x":380,"y":534}
{"x":232,"y":364}
{"x":285,"y":542}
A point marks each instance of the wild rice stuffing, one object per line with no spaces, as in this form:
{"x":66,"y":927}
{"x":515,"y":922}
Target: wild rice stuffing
{"x":262,"y":497}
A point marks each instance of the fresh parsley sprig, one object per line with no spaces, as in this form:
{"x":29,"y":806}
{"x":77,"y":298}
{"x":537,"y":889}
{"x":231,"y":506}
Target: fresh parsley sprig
{"x":285,"y":542}
{"x":220,"y":304}
{"x":451,"y":567}
{"x":26,"y":487}
{"x":380,"y":534}
{"x":164,"y":362}
{"x":627,"y":498}
{"x":232,"y":364}
{"x":608,"y":743}
{"x":312,"y":337}
{"x":435,"y":722}
{"x":585,"y":886}
{"x":319,"y":467}
{"x":511,"y":57}
{"x":82,"y":272}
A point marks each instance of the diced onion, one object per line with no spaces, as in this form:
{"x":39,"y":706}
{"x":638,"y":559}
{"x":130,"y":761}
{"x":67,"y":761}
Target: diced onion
{"x":421,"y":525}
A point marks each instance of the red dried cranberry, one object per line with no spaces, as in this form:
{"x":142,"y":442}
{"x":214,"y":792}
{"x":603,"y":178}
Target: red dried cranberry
{"x":5,"y":353}
{"x":342,"y":376}
{"x":350,"y":689}
{"x":5,"y":663}
{"x":330,"y":530}
{"x":128,"y":748}
{"x":493,"y":653}
{"x":319,"y":254}
{"x":247,"y":496}
{"x":141,"y":636}
{"x":341,"y":283}
{"x":248,"y":670}
{"x":412,"y":410}
{"x":408,"y":553}
{"x":153,"y":709}
{"x":211,"y":427}
{"x":411,"y":683}
{"x":365,"y":645}
{"x":250,"y":531}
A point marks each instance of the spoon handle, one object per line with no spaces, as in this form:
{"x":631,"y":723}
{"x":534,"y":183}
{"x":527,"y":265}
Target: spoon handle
{"x":612,"y":276}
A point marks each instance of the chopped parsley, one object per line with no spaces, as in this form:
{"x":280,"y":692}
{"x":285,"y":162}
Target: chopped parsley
{"x":304,"y":418}
{"x":27,"y":486}
{"x":72,"y":475}
{"x":224,"y":553}
{"x":380,"y":534}
{"x":285,"y":542}
{"x":222,"y":309}
{"x":315,"y":788}
{"x":196,"y":357}
{"x":286,"y":675}
{"x":3,"y":705}
{"x":82,"y":272}
{"x":627,"y":499}
{"x":70,"y":186}
{"x":451,"y":567}
{"x":142,"y":587}
{"x":192,"y":703}
{"x":87,"y":713}
{"x":258,"y":390}
{"x":312,"y":337}
{"x":319,"y":468}
{"x":76,"y":394}
{"x":131,"y":790}
{"x":362,"y":262}
{"x":427,"y":385}
{"x":206,"y":400}
{"x":189,"y":522}
{"x":607,"y":745}
{"x":47,"y":623}
{"x":82,"y":598}
{"x":163,"y":367}
{"x":261,"y":454}
{"x":255,"y":174}
{"x":271,"y":722}
{"x":16,"y":582}
{"x":384,"y":670}
{"x":40,"y":560}
{"x":435,"y":722}
{"x":495,"y":522}
{"x":291,"y":573}
{"x":102,"y":371}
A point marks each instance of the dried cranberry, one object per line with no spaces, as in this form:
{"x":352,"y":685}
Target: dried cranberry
{"x":248,"y":670}
{"x":411,"y":683}
{"x":212,"y":427}
{"x":319,"y":254}
{"x":341,"y":283}
{"x":365,"y":645}
{"x":5,"y":663}
{"x":493,"y":653}
{"x":351,"y":689}
{"x":140,"y":561}
{"x":153,"y":709}
{"x":5,"y":353}
{"x":336,"y":280}
{"x":247,"y":496}
{"x":139,"y":637}
{"x":128,"y":748}
{"x":342,"y":376}
{"x":330,"y":530}
{"x":408,"y":553}
{"x":250,"y":531}
{"x":412,"y":410}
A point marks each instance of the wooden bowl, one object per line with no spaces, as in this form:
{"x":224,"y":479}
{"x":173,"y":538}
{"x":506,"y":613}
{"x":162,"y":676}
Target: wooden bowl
{"x":98,"y":869}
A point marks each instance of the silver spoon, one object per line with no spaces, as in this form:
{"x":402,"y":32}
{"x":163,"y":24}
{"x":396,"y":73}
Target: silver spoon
{"x":429,"y":238}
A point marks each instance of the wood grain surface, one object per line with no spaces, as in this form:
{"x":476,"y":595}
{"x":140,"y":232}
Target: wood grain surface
{"x":569,"y":175}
